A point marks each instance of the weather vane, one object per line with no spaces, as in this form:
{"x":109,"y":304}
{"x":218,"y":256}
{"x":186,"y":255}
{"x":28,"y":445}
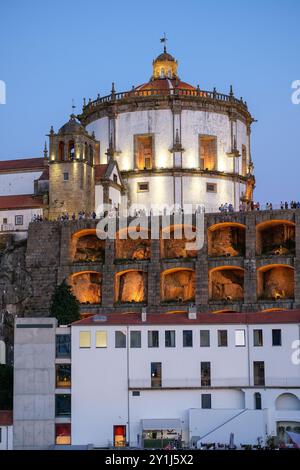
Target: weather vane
{"x":164,"y":40}
{"x":73,"y":106}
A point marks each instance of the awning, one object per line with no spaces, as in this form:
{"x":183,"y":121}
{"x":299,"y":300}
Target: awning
{"x":160,"y":424}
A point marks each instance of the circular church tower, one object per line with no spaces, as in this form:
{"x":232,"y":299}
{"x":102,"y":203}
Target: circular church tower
{"x":175,"y":143}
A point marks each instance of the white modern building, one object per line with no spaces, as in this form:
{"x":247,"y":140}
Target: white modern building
{"x":6,"y":430}
{"x":143,"y":380}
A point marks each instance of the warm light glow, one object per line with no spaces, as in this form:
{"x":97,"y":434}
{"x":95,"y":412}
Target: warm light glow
{"x":101,"y":339}
{"x":84,"y":339}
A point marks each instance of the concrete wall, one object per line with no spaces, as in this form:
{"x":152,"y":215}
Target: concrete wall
{"x":34,"y":383}
{"x":6,"y":441}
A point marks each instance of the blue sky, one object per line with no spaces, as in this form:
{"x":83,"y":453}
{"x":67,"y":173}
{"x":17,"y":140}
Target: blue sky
{"x":53,"y":51}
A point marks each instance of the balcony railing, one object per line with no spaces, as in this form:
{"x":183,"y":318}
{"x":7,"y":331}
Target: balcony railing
{"x":228,"y":382}
{"x":176,"y":91}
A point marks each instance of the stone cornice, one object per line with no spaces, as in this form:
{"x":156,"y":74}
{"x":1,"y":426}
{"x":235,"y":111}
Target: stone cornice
{"x":184,"y":172}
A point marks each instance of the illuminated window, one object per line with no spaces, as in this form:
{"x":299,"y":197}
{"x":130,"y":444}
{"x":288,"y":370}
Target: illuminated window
{"x":63,"y":434}
{"x":143,"y":145}
{"x":143,"y":187}
{"x":211,"y":187}
{"x":18,"y":220}
{"x":240,"y":339}
{"x":63,"y":375}
{"x":85,"y":339}
{"x":208,"y":152}
{"x":155,"y":374}
{"x":101,"y":339}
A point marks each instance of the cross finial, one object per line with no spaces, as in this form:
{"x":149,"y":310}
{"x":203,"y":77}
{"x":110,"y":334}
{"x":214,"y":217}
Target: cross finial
{"x":164,"y":40}
{"x":73,"y":106}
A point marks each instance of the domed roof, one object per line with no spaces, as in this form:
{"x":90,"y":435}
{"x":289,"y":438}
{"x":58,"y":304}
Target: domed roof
{"x":165,"y":56}
{"x":166,"y":85}
{"x":72,"y":127}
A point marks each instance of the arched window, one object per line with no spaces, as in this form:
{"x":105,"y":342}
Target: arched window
{"x":170,"y":73}
{"x":61,"y":151}
{"x":71,"y":151}
{"x":162,"y":73}
{"x":244,"y":160}
{"x":257,"y":401}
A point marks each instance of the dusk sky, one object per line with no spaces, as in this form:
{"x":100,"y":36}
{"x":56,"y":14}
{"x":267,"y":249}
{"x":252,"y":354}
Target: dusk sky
{"x":53,"y":51}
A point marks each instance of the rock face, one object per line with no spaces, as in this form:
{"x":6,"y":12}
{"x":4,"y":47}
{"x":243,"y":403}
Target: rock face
{"x":179,"y":286}
{"x":132,"y":287}
{"x":15,"y":280}
{"x":226,"y":241}
{"x":174,"y":248}
{"x":89,"y":249}
{"x":132,"y":249}
{"x":87,"y":288}
{"x":278,"y":283}
{"x":227,"y":284}
{"x":276,"y":240}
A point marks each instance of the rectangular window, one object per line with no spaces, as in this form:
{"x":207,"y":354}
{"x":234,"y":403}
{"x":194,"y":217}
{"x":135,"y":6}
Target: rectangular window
{"x":205,"y":374}
{"x":135,"y":339}
{"x":206,"y":401}
{"x":143,"y":145}
{"x":5,"y":220}
{"x":155,"y":374}
{"x":84,"y":339}
{"x":240,"y":338}
{"x":143,"y":187}
{"x":63,"y":434}
{"x":120,"y":339}
{"x":136,"y":393}
{"x":259,"y":373}
{"x":257,"y":337}
{"x":204,"y":338}
{"x":276,"y":337}
{"x":170,"y":339}
{"x":222,"y":338}
{"x":63,"y":375}
{"x":115,"y":178}
{"x":63,"y":346}
{"x":153,"y":339}
{"x":101,"y":339}
{"x":66,"y":176}
{"x":62,"y":405}
{"x":208,"y":152}
{"x":18,"y":220}
{"x":187,"y":338}
{"x":211,"y":187}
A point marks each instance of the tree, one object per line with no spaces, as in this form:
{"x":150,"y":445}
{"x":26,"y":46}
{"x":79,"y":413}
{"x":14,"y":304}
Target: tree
{"x":6,"y":387}
{"x":64,"y":305}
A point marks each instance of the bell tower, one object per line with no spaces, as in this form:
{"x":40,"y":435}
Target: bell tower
{"x":73,"y":153}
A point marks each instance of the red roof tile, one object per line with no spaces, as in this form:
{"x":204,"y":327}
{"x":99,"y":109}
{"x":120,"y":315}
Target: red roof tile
{"x":6,"y":417}
{"x":33,"y":164}
{"x":45,"y":175}
{"x":22,"y":201}
{"x":100,"y":171}
{"x":286,"y":316}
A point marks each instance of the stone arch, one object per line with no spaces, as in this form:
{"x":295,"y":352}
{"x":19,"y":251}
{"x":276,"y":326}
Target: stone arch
{"x":131,"y":286}
{"x":86,"y":247}
{"x":61,"y":151}
{"x":71,"y":150}
{"x":275,"y":237}
{"x":287,"y":401}
{"x":87,"y":286}
{"x":226,"y":283}
{"x":175,"y":239}
{"x":275,"y":282}
{"x":133,"y":244}
{"x":178,"y":285}
{"x":225,"y":310}
{"x":226,"y":239}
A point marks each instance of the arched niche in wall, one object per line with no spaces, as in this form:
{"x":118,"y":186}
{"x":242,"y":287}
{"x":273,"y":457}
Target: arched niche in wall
{"x":175,"y":241}
{"x":226,"y":283}
{"x":275,"y":282}
{"x":275,"y":237}
{"x":178,"y":285}
{"x":86,"y":286}
{"x":131,"y":286}
{"x":226,"y":239}
{"x":133,"y":243}
{"x":87,"y":247}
